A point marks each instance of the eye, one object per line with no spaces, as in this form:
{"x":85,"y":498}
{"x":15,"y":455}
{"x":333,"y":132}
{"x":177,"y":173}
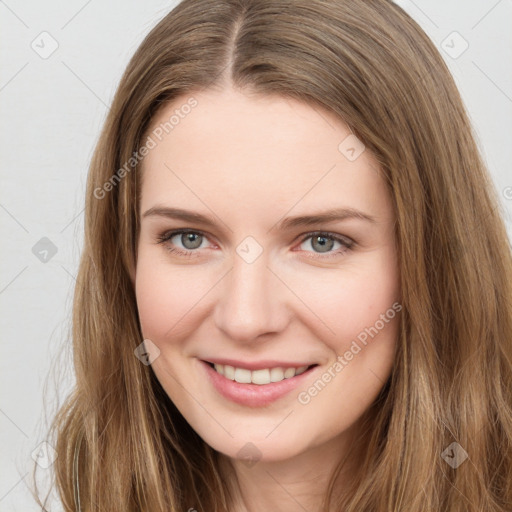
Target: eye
{"x":323,"y":243}
{"x":190,"y":240}
{"x":186,"y":242}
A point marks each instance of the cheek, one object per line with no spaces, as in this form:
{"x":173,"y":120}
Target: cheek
{"x":337,"y":305}
{"x":168,"y":299}
{"x":156,"y":302}
{"x":345,"y":302}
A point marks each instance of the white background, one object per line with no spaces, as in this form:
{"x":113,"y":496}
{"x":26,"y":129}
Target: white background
{"x":52,"y":110}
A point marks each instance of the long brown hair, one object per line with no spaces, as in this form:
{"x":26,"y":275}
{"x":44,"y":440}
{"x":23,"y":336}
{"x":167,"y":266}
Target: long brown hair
{"x":121,"y":443}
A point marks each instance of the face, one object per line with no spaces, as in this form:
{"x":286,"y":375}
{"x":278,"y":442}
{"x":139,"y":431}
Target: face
{"x":266,"y":248}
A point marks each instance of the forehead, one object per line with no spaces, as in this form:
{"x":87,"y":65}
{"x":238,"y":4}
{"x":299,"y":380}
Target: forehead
{"x":235,"y":148}
{"x":265,"y":125}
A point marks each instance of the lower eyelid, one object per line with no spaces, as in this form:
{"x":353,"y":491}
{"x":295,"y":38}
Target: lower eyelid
{"x":345,"y":244}
{"x":184,"y":250}
{"x":329,"y":254}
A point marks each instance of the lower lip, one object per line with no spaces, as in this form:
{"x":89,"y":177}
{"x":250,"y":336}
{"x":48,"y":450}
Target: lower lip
{"x":253,"y":395}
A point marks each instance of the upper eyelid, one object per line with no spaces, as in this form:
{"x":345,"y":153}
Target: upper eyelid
{"x":304,"y":236}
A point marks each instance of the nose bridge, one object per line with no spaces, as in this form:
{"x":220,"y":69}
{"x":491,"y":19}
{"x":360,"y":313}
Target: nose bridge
{"x":251,"y":301}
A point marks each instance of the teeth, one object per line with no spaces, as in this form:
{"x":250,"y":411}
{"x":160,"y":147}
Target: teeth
{"x":265,"y":376}
{"x":300,"y":370}
{"x":260,"y":376}
{"x":229,"y":372}
{"x":289,"y":372}
{"x":243,"y":376}
{"x":276,"y":374}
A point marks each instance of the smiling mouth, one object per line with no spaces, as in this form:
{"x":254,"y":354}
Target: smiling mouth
{"x":259,"y":377}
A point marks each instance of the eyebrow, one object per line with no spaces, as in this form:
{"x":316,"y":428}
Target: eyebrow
{"x":332,"y":215}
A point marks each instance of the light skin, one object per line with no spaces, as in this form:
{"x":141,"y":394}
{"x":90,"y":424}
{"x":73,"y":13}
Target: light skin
{"x":248,"y":161}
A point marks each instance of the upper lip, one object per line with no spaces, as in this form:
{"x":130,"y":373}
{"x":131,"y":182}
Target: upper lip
{"x":257,"y":365}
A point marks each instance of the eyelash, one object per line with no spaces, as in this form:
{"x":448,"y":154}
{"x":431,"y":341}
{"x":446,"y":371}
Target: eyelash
{"x":347,"y":245}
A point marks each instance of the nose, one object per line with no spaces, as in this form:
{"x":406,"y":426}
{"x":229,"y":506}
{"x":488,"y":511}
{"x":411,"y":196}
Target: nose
{"x":251,"y":301}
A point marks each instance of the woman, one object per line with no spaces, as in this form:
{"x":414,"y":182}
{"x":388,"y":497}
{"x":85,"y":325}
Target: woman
{"x":295,"y":291}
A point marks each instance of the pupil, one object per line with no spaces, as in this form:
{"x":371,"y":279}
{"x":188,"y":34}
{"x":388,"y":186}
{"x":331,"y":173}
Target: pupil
{"x":194,"y":240}
{"x":324,"y":246}
{"x":188,"y":238}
